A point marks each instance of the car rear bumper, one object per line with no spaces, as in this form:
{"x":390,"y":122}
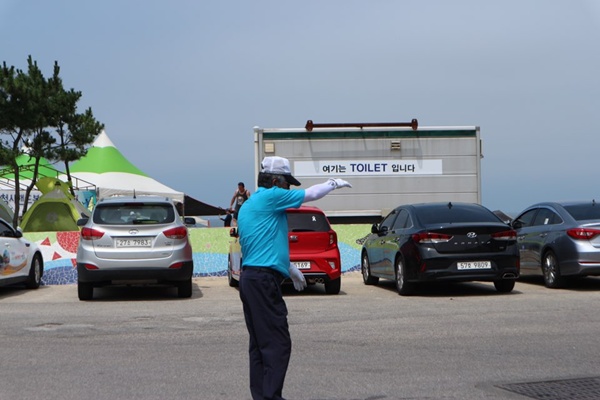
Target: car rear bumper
{"x":321,"y":277}
{"x":446,"y":268}
{"x":146,"y":275}
{"x":489,"y":276}
{"x":579,"y":268}
{"x":320,"y":267}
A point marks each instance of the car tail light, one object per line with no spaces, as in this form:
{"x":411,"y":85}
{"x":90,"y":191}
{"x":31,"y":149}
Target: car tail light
{"x":431,"y":237}
{"x":179,"y":232}
{"x":332,"y":238}
{"x":177,"y":265}
{"x":91,"y":234}
{"x":583,"y":233}
{"x":505,"y":235}
{"x":90,"y":266}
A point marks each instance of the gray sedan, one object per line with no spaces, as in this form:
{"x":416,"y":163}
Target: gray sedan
{"x":559,"y":240}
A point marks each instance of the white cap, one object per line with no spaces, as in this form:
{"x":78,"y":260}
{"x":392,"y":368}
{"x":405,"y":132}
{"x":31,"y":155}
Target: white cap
{"x":279,"y":166}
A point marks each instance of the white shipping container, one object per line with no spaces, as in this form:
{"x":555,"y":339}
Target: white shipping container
{"x":386,"y":165}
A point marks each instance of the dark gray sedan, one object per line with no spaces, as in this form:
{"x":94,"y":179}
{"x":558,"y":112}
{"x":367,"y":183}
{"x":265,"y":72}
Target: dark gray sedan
{"x":441,"y":242}
{"x":559,"y":240}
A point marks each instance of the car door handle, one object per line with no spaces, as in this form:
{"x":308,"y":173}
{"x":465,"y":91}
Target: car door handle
{"x":543,"y":234}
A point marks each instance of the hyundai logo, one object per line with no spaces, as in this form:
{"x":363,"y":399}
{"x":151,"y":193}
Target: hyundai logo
{"x":471,"y":235}
{"x":133,"y":231}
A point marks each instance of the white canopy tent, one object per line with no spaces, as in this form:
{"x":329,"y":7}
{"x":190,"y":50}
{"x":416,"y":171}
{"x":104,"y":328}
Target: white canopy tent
{"x":112,"y":174}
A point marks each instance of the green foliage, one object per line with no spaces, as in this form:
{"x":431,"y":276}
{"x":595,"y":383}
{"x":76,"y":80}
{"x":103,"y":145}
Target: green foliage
{"x":40,"y":115}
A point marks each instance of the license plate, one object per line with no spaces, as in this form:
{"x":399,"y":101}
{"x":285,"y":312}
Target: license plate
{"x":474,"y":265}
{"x":302,"y":264}
{"x":137,"y":242}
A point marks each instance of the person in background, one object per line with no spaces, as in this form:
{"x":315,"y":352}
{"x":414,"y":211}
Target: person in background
{"x":263,"y":235}
{"x":239,"y":197}
{"x":227,"y":219}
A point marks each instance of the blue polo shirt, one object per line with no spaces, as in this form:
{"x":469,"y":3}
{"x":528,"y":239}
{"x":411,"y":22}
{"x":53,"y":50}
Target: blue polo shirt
{"x":263,"y":228}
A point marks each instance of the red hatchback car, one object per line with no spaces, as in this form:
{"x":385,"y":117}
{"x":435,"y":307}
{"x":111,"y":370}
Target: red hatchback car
{"x":313,"y":248}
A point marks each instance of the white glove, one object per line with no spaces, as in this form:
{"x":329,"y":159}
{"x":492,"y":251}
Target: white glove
{"x":338,"y":183}
{"x":297,"y":277}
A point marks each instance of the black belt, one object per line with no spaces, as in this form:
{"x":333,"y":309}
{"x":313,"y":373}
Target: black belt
{"x":266,"y":270}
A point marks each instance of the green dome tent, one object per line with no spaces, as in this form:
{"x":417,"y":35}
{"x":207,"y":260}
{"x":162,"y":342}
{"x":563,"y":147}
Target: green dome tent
{"x":6,"y":213}
{"x":56,"y":210}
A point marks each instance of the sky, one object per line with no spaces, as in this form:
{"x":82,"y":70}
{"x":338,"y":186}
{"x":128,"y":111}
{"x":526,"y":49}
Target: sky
{"x":180,"y":84}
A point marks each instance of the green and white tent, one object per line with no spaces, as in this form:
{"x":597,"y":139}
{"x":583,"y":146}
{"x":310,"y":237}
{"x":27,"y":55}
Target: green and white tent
{"x":7,"y":182}
{"x":105,"y":167}
{"x":26,"y":167}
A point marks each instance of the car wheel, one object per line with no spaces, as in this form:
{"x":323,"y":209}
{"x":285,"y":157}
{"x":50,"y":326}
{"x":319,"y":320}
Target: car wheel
{"x":35,"y":273}
{"x":505,"y":285}
{"x":333,"y":287}
{"x":551,"y":271}
{"x":232,"y":282}
{"x":404,"y":288}
{"x":85,"y":290}
{"x":365,"y":269}
{"x":184,"y":289}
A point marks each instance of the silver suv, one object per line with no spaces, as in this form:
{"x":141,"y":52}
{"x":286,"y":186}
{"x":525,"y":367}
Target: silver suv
{"x":133,"y":240}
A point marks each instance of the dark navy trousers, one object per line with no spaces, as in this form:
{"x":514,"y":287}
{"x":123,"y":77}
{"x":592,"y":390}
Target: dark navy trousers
{"x":266,"y":319}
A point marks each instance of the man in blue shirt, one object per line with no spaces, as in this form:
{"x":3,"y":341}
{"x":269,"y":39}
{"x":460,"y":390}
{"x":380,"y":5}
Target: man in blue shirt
{"x":263,"y":230}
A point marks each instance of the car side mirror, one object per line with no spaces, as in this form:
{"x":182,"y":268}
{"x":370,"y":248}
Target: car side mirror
{"x":189,"y":221}
{"x":233,"y":232}
{"x":375,"y":228}
{"x":82,"y":221}
{"x":517,"y":224}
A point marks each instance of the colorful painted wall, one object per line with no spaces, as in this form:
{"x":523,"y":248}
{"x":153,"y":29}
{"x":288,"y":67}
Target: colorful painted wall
{"x":211,"y":247}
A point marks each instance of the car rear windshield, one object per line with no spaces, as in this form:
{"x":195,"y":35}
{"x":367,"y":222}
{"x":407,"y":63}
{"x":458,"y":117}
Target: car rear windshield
{"x":455,"y":214}
{"x":307,"y":222}
{"x":134,"y":213}
{"x":581,"y":212}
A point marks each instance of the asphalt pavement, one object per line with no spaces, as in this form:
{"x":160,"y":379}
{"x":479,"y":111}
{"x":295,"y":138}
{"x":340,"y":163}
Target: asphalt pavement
{"x":463,"y":341}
